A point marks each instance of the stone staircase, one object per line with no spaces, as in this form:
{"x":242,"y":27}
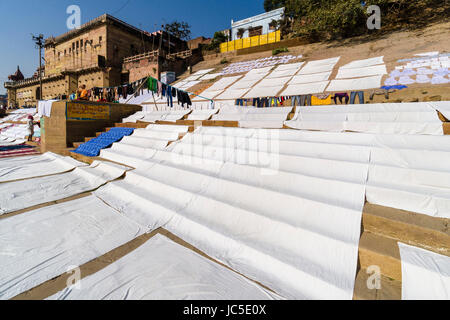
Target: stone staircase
{"x":382,"y":229}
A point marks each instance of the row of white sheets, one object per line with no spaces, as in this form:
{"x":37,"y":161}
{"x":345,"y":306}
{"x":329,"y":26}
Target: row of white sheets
{"x":407,"y":172}
{"x":387,"y":118}
{"x":36,"y":166}
{"x":258,"y":224}
{"x":311,"y":79}
{"x":161,"y":269}
{"x":143,"y":143}
{"x":153,"y":116}
{"x":250,"y":117}
{"x":18,"y":195}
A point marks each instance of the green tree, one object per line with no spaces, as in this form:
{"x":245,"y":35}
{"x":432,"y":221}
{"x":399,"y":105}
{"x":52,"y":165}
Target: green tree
{"x":270,"y":5}
{"x":219,"y":37}
{"x":181,"y":30}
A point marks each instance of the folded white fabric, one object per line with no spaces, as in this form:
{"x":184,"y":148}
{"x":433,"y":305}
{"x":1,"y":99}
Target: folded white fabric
{"x":40,"y":245}
{"x":160,"y":269}
{"x":425,"y":274}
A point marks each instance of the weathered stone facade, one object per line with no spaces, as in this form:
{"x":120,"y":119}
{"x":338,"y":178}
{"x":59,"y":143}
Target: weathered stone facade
{"x":92,"y":55}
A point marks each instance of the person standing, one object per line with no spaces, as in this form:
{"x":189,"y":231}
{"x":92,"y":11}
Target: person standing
{"x":30,"y":127}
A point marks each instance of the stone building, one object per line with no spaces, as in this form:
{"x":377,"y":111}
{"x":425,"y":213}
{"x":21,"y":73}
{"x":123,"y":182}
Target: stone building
{"x":92,"y":55}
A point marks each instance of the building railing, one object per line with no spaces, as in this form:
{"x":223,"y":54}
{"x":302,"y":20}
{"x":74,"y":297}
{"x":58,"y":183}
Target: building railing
{"x":151,"y":54}
{"x":182,"y":55}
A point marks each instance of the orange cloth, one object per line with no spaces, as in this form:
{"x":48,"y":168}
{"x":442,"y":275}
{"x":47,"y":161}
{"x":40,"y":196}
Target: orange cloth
{"x":84,"y":95}
{"x":315,"y":101}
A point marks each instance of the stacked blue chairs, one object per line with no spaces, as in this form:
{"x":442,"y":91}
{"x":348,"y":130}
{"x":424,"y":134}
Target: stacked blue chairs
{"x":93,"y":147}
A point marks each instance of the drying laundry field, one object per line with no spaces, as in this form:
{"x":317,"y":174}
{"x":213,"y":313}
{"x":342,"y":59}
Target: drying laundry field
{"x":248,"y":193}
{"x":393,"y":46}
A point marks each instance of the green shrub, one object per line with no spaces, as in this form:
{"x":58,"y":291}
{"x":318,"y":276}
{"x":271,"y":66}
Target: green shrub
{"x":224,"y":61}
{"x":279,"y":50}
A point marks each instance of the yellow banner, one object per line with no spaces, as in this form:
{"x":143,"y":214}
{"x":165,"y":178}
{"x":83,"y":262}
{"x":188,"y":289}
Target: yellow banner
{"x":247,"y":43}
{"x":231,"y":45}
{"x":224,"y":47}
{"x":271,"y":37}
{"x":238,"y":44}
{"x":263,"y":39}
{"x":254,"y":41}
{"x":82,"y":111}
{"x":251,"y":42}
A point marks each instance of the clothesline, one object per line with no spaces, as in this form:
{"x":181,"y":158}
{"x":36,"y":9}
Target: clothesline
{"x":145,"y":80}
{"x":190,"y":93}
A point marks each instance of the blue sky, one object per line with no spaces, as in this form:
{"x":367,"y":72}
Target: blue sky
{"x":21,"y":18}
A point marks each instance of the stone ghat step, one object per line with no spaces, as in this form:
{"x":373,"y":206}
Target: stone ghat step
{"x":367,"y":288}
{"x":381,"y":252}
{"x":416,"y":229}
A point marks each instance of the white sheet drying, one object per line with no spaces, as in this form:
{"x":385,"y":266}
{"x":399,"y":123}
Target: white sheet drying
{"x":355,"y":84}
{"x":361,"y":72}
{"x":161,"y":269}
{"x":42,"y":244}
{"x":364,"y":63}
{"x":305,"y":88}
{"x":36,"y":166}
{"x":19,"y":195}
{"x":425,"y":274}
{"x":259,"y":225}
